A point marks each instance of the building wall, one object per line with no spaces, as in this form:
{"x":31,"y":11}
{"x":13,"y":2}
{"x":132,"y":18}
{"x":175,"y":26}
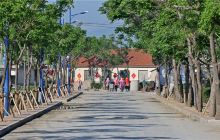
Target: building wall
{"x":81,"y":72}
{"x":135,"y":73}
{"x":151,"y":74}
{"x":21,"y":76}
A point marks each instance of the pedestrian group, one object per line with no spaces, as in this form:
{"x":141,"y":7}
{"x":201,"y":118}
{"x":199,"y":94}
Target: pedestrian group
{"x":117,"y":85}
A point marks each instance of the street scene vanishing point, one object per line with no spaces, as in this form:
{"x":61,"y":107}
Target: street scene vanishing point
{"x":110,"y":69}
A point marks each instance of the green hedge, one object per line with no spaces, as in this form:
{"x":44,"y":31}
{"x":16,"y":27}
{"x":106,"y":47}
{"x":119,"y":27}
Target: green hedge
{"x":96,"y":85}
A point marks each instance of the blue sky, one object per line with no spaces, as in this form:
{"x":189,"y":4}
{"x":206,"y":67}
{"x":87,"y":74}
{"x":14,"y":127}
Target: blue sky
{"x":94,"y":23}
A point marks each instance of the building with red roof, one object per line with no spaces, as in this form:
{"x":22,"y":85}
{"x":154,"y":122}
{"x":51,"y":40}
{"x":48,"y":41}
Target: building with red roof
{"x":138,"y":63}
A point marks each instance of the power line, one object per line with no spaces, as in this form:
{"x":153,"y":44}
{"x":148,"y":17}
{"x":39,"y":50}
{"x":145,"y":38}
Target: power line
{"x":101,"y":26}
{"x":92,"y":23}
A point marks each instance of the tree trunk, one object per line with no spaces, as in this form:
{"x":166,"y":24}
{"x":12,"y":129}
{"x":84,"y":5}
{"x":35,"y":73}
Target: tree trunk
{"x":215,"y":84}
{"x":186,"y":87}
{"x":16,"y":76}
{"x":24,"y":84}
{"x":166,"y":81}
{"x":10,"y":68}
{"x":59,"y":73}
{"x":158,"y":87}
{"x":46,"y":81}
{"x":2,"y":96}
{"x":219,"y":70}
{"x":3,"y":81}
{"x":176,"y":81}
{"x":17,"y":64}
{"x":36,"y":76}
{"x":209,"y":74}
{"x":65,"y":74}
{"x":30,"y":68}
{"x":192,"y":72}
{"x":190,"y":95}
{"x":27,"y":72}
{"x":199,"y":84}
{"x":212,"y":102}
{"x":180,"y":87}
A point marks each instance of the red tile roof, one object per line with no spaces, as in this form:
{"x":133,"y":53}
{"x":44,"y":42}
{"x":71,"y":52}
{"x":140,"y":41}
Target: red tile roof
{"x":137,"y":58}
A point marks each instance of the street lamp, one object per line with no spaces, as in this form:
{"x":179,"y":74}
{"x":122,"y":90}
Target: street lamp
{"x":75,"y":21}
{"x":70,"y":14}
{"x":81,"y":13}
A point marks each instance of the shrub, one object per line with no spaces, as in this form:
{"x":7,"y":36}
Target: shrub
{"x":206,"y":93}
{"x":96,"y":85}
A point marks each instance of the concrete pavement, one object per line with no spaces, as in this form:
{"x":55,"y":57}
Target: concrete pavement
{"x":11,"y":123}
{"x":116,"y":116}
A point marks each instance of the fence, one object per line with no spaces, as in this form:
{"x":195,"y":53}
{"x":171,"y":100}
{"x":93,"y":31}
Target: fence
{"x":23,"y":101}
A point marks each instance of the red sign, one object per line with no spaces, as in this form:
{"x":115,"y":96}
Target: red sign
{"x":50,"y":72}
{"x":97,"y":75}
{"x":79,"y":75}
{"x":133,"y":75}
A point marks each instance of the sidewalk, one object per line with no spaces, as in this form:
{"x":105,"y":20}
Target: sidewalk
{"x":189,"y":112}
{"x":10,"y":123}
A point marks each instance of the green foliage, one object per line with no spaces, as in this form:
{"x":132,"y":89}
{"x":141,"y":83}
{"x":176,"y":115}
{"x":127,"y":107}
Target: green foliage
{"x":210,"y":16}
{"x":206,"y":93}
{"x":162,"y":27}
{"x":65,"y":40}
{"x":30,"y":24}
{"x":96,"y":86}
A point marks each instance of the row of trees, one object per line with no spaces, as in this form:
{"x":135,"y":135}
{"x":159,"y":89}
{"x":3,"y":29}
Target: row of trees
{"x":103,"y":52}
{"x":177,"y":33}
{"x":31,"y":36}
{"x":32,"y":30}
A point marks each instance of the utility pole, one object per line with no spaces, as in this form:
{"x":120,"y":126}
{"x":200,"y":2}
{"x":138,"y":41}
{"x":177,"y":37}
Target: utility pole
{"x":70,"y":15}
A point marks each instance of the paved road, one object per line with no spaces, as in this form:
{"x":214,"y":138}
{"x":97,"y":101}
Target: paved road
{"x":115,"y":116}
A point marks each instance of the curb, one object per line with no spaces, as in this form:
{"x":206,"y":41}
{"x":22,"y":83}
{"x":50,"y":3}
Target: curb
{"x":73,"y":97}
{"x":27,"y":119}
{"x":7,"y":129}
{"x":188,"y":113}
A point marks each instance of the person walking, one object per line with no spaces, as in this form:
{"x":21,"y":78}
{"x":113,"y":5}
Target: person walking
{"x":107,"y":82}
{"x":116,"y":83}
{"x":127,"y":84}
{"x":122,"y":84}
{"x":111,"y":86}
{"x":79,"y":84}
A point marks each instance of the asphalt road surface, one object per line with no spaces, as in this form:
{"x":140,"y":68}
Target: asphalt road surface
{"x":115,"y":116}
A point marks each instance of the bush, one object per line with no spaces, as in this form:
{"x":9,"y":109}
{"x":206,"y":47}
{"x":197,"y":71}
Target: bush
{"x":96,"y":85}
{"x":206,"y":93}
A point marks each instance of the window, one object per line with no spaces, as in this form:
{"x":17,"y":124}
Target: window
{"x":142,"y":75}
{"x":86,"y":75}
{"x":124,"y":73}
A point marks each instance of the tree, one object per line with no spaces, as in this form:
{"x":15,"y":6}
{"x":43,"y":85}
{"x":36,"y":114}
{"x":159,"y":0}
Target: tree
{"x":209,"y":25}
{"x":24,"y":23}
{"x":169,"y":30}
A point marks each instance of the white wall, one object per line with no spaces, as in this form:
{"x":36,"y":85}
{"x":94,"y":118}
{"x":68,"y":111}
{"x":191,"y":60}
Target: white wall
{"x":151,"y":75}
{"x":81,"y":72}
{"x":21,"y":76}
